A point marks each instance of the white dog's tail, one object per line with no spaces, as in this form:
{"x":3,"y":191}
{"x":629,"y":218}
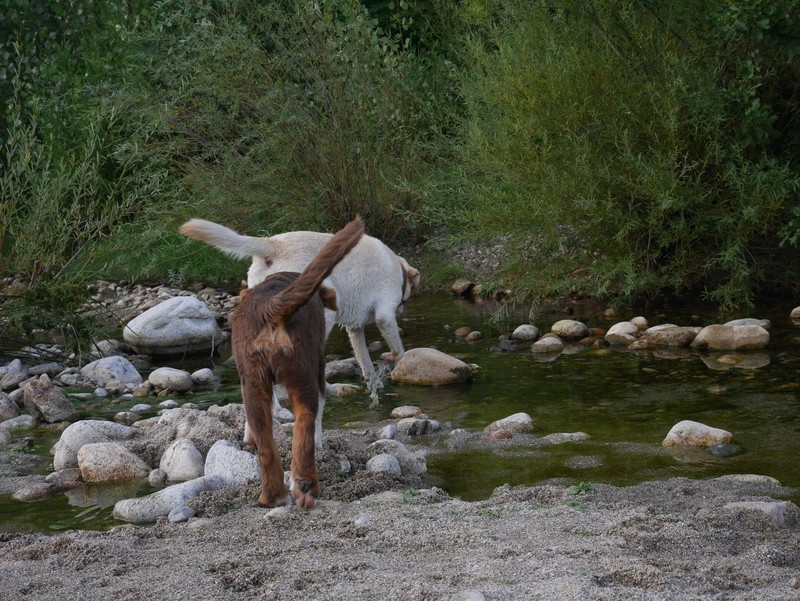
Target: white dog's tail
{"x":228,"y":241}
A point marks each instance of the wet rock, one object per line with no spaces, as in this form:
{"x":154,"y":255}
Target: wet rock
{"x":8,"y":408}
{"x":525,"y":333}
{"x":148,"y":509}
{"x":462,"y":332}
{"x":405,"y":411}
{"x":570,"y":329}
{"x":725,"y":450}
{"x":731,"y":338}
{"x":549,"y":344}
{"x":182,"y":461}
{"x":14,"y":374}
{"x":691,"y":433}
{"x":179,"y":325}
{"x":36,"y":491}
{"x":231,"y":465}
{"x":414,"y":426}
{"x":672,"y":336}
{"x":745,"y":360}
{"x":384,"y":463}
{"x":170,"y":378}
{"x":109,"y":462}
{"x":640,"y":323}
{"x":47,"y":402}
{"x":341,"y":390}
{"x":565,"y":437}
{"x":71,"y":476}
{"x":343,"y":368}
{"x":86,"y":432}
{"x":473,"y":336}
{"x":519,"y":422}
{"x":462,"y":287}
{"x":103,"y":371}
{"x":622,"y":334}
{"x":427,"y":366}
{"x":750,"y":321}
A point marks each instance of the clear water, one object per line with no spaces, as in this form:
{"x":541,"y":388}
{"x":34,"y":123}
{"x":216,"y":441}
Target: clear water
{"x":626,"y":402}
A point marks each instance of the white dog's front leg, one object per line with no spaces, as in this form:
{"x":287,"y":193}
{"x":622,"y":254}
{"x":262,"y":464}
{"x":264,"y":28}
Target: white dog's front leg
{"x":359,"y":344}
{"x":387,"y":324}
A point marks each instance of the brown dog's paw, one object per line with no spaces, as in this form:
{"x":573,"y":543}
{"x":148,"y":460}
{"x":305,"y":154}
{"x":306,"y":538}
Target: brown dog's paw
{"x":274,"y":501}
{"x":303,"y":492}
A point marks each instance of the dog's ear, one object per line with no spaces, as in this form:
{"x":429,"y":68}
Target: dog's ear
{"x":244,"y":293}
{"x":414,"y":278}
{"x":328,"y":298}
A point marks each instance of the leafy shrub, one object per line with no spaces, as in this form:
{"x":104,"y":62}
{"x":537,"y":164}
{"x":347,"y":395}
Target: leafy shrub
{"x":631,"y":147}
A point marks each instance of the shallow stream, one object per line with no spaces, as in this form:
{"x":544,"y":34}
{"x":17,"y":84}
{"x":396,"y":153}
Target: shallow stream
{"x":626,"y":402}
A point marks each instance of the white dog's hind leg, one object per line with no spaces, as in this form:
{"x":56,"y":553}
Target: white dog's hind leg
{"x":359,"y":344}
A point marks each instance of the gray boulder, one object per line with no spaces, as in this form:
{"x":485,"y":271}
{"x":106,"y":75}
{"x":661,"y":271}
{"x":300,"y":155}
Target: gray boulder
{"x":548,"y":344}
{"x":526,"y":333}
{"x":47,"y":402}
{"x":231,"y":465}
{"x":170,"y":378}
{"x":178,"y":325}
{"x":570,"y":329}
{"x":109,"y":462}
{"x":731,"y":338}
{"x":384,"y":464}
{"x":182,"y":461}
{"x":8,"y":408}
{"x":623,"y":333}
{"x":691,"y":433}
{"x":427,"y":366}
{"x":82,"y":433}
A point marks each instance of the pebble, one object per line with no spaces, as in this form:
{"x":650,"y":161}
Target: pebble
{"x":362,"y":521}
{"x":140,"y":408}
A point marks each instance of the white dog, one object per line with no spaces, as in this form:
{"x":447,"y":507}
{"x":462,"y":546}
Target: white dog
{"x":371,"y":282}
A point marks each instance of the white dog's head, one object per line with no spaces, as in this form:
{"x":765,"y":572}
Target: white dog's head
{"x":411,"y":284}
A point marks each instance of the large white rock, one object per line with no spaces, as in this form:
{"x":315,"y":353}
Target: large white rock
{"x":519,"y":422}
{"x":170,"y":378}
{"x":182,"y":461}
{"x":429,"y":366}
{"x":82,"y":433}
{"x":691,"y":433}
{"x":109,"y":462}
{"x":732,"y":338}
{"x":107,"y":369}
{"x":230,"y":464}
{"x":178,"y":325}
{"x":148,"y":509}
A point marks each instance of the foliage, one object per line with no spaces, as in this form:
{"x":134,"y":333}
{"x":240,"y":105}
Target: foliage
{"x":297,"y":115}
{"x":653,"y":145}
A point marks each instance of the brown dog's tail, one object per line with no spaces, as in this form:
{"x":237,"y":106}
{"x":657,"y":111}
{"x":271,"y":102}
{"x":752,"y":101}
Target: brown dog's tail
{"x":297,"y":294}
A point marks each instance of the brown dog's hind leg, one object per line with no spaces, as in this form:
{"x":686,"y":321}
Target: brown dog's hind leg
{"x":304,"y":484}
{"x":258,"y":408}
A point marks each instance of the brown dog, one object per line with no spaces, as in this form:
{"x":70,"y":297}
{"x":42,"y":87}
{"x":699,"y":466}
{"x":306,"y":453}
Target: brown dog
{"x":278,"y":336}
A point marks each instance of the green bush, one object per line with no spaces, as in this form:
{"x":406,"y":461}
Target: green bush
{"x":630,"y":147}
{"x":298,"y":115}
